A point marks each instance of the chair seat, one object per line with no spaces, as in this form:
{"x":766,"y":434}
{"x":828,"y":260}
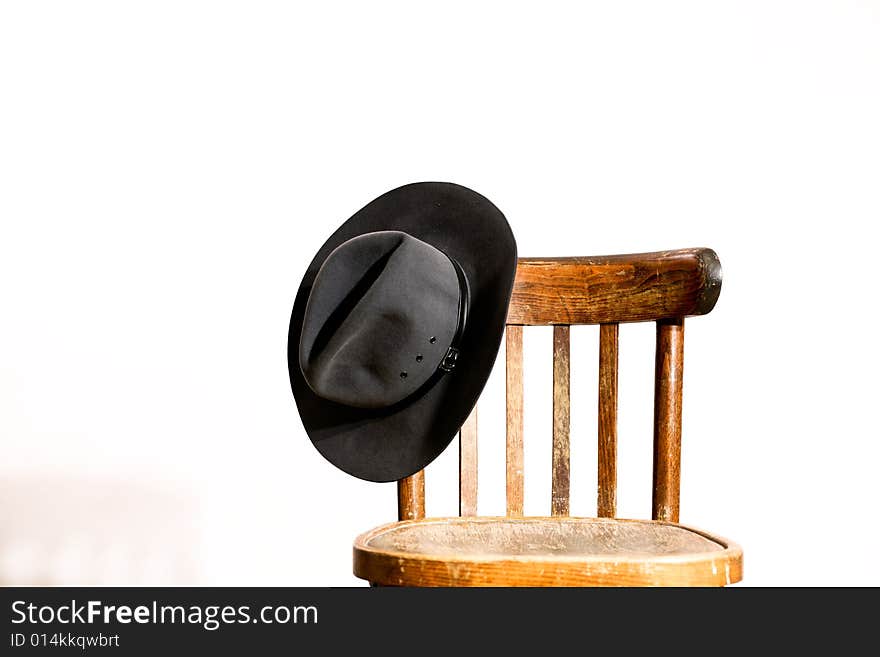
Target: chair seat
{"x":535,"y":551}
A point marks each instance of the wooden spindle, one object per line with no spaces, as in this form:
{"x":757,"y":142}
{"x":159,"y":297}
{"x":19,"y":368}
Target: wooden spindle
{"x":514,"y":365}
{"x":607,"y":496}
{"x":668,"y":369}
{"x":411,"y":497}
{"x":559,"y":505}
{"x":467,"y":466}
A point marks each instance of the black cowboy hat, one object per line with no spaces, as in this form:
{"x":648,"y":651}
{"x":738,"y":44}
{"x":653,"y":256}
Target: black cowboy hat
{"x":396,"y":326}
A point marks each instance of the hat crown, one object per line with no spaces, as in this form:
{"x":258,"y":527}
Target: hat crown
{"x":380,"y":317}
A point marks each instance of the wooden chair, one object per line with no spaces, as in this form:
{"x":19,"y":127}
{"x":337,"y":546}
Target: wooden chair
{"x":559,"y":550}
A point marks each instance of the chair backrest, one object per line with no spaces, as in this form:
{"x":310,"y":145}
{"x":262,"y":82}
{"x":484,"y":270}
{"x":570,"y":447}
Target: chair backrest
{"x":663,"y":287}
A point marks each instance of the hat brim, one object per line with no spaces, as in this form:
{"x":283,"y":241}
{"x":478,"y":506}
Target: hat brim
{"x":389,"y":444}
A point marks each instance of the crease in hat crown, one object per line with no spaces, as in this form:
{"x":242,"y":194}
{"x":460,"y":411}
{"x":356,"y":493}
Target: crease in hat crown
{"x":382,"y":314}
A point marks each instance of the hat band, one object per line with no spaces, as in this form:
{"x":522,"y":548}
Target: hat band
{"x":450,"y":360}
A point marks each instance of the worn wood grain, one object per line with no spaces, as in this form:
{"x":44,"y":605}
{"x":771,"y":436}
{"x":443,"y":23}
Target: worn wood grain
{"x":559,"y":550}
{"x":619,"y":288}
{"x":555,"y":551}
{"x":514,"y":374}
{"x":411,"y":497}
{"x":559,"y":503}
{"x":606,"y":506}
{"x":668,"y":370}
{"x":467,"y":466}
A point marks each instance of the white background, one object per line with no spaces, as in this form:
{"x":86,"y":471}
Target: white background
{"x":168,"y":169}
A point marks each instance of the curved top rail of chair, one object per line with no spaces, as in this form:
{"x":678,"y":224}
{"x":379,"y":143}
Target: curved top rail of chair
{"x":619,"y":288}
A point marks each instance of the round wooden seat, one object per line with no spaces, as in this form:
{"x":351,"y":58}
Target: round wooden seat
{"x":556,"y":551}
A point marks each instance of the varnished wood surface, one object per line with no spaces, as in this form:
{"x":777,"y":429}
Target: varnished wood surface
{"x":467,"y":466}
{"x":514,"y":439}
{"x":559,"y":501}
{"x":552,"y":551}
{"x":476,"y":551}
{"x":542,"y":537}
{"x":668,"y":370}
{"x":619,"y":288}
{"x":411,"y":497}
{"x":606,"y":506}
